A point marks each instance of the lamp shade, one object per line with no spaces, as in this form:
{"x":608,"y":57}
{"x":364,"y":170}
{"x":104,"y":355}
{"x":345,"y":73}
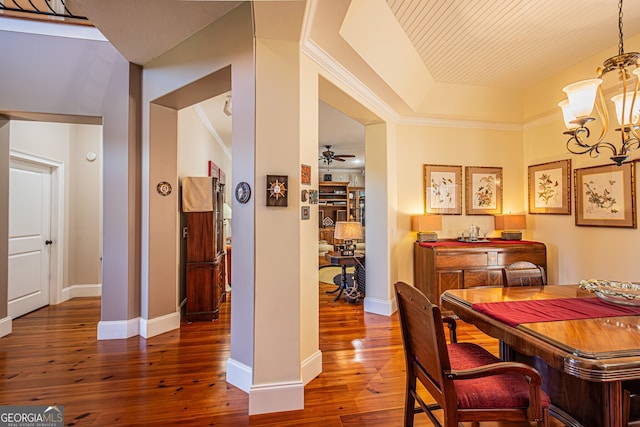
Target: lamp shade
{"x":582,"y":96}
{"x":567,"y":114}
{"x":511,"y":222}
{"x":348,"y":230}
{"x":426,"y":222}
{"x":625,"y":100}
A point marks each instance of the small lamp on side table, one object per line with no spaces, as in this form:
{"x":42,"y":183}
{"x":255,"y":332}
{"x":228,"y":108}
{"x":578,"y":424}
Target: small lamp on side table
{"x":348,"y":231}
{"x":426,"y":226}
{"x":512,"y":226}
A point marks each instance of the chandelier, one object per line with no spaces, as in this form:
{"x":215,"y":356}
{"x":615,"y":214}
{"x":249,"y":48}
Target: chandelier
{"x":584,"y":95}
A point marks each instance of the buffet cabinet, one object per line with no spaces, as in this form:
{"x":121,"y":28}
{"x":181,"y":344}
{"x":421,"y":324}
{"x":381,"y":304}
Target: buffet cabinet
{"x":449,"y":264}
{"x":205,"y":262}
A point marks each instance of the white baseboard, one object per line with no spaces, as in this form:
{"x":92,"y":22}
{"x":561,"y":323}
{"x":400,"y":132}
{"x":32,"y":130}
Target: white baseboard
{"x":159,"y":325}
{"x":239,"y":375}
{"x":311,"y":367}
{"x":279,"y":397}
{"x":118,"y":329}
{"x":5,"y":326}
{"x":378,"y":306}
{"x":78,"y":291}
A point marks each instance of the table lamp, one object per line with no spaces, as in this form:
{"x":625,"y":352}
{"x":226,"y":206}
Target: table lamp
{"x":511,"y":224}
{"x":426,"y":226}
{"x":348,"y":231}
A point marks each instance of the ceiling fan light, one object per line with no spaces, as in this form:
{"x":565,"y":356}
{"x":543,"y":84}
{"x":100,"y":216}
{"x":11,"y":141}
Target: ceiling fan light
{"x":582,"y":96}
{"x":567,"y":115}
{"x":625,"y":100}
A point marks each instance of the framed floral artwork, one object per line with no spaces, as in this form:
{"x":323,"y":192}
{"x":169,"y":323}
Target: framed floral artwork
{"x":443,"y":189}
{"x":605,"y":196}
{"x":483,"y":190}
{"x":550,"y":188}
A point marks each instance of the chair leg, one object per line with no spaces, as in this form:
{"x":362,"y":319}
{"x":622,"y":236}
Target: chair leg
{"x":545,"y":419}
{"x":409,"y":403}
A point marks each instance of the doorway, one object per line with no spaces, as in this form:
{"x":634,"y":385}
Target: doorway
{"x":55,"y":205}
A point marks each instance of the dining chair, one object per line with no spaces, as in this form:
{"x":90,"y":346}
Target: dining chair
{"x":523,"y":273}
{"x":467,"y":382}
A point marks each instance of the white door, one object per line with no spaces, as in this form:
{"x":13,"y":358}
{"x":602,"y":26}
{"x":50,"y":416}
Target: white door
{"x":29,"y":226}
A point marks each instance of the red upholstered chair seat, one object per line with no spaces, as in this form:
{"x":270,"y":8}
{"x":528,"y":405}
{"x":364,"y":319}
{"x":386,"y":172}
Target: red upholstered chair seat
{"x":496,"y":391}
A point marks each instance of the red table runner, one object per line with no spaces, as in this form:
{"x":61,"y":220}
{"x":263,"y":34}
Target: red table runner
{"x":515,"y":312}
{"x":459,"y":243}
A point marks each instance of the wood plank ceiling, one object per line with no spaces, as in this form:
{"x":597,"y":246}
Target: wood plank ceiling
{"x":511,"y":44}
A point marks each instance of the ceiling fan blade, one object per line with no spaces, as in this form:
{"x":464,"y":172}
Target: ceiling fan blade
{"x":338,"y":159}
{"x":343,"y":155}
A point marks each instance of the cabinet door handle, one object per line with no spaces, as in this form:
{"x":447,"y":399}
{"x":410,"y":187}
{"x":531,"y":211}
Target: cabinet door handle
{"x":48,"y":242}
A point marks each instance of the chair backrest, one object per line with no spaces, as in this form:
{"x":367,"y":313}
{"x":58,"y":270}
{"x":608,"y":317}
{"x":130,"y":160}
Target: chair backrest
{"x":523,"y":273}
{"x":423,"y":337}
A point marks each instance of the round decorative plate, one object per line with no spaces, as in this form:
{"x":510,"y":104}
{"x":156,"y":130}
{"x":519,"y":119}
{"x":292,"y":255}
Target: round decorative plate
{"x":164,"y":188}
{"x":243,"y":192}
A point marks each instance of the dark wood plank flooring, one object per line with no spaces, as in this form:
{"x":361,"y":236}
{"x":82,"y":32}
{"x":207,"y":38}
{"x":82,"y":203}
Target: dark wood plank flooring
{"x":52,"y":357}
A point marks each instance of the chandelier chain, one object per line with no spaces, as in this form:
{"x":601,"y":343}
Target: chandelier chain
{"x":620,"y":36}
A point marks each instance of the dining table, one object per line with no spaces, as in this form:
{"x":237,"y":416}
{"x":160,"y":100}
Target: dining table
{"x":586,"y":348}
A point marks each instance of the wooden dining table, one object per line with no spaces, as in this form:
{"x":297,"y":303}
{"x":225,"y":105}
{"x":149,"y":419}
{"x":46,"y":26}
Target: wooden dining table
{"x":587,"y":350}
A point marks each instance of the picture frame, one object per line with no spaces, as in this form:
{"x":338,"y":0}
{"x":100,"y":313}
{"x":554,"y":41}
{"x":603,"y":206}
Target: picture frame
{"x":483,"y":189}
{"x":442,"y":189}
{"x":277,"y":189}
{"x":605,"y":196}
{"x":305,"y":174}
{"x":549,"y":187}
{"x":305,"y":212}
{"x":213,"y":170}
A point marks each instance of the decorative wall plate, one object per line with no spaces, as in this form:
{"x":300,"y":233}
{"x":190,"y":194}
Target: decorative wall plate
{"x":164,"y":188}
{"x":243,"y":192}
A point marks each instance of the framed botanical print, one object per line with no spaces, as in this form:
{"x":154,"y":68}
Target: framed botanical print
{"x":443,"y":189}
{"x":605,"y":196}
{"x":483,"y":190}
{"x":550,"y":188}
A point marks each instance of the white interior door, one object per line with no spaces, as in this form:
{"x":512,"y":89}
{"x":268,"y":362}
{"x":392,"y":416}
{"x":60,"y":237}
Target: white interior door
{"x":29,"y":233}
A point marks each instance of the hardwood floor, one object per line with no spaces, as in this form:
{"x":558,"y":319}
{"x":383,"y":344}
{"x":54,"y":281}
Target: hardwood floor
{"x":52,"y":357}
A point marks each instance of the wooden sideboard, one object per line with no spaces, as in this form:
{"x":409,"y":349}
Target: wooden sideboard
{"x":449,"y":264}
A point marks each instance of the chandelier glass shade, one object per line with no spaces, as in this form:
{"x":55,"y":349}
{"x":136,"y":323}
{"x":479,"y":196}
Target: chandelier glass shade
{"x":585,"y":96}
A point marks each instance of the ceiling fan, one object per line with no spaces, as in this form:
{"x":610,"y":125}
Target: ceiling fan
{"x":329,"y":156}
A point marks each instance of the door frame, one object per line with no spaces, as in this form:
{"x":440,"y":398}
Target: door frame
{"x":56,"y":254}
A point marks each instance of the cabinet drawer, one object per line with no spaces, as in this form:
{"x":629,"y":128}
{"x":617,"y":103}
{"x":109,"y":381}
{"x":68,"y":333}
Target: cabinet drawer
{"x":465,"y":260}
{"x":473,"y":278}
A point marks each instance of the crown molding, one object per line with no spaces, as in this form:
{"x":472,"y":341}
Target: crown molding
{"x":465,"y":124}
{"x":212,"y":130}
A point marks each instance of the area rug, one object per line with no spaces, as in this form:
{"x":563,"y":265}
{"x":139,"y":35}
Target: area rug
{"x":326,"y":274}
